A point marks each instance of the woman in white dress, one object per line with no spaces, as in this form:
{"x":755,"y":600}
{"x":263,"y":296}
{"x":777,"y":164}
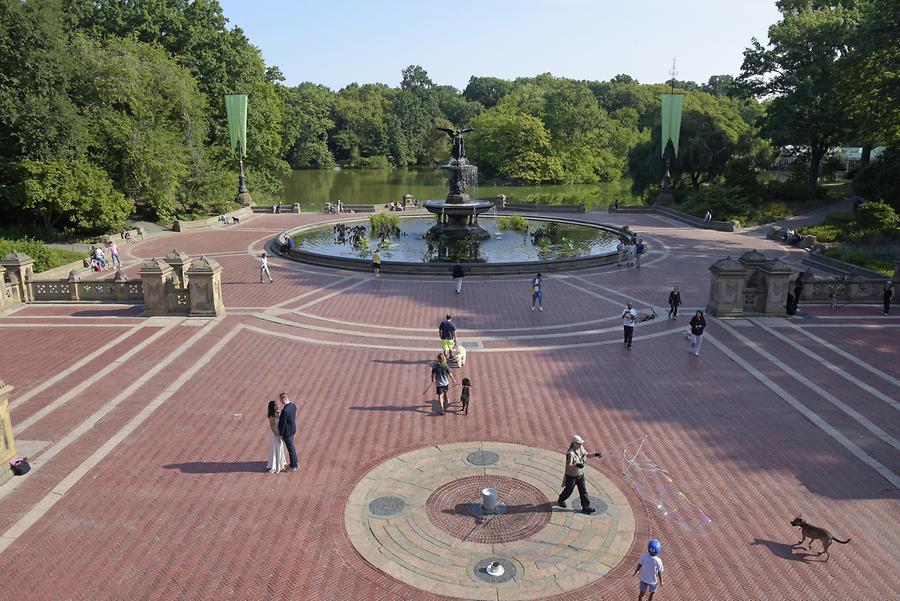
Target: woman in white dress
{"x":276,"y":461}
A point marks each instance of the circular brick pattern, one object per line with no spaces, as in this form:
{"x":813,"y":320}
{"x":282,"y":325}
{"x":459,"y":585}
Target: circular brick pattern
{"x":454,"y":508}
{"x":597,"y":503}
{"x":386,"y":506}
{"x":509,"y":570}
{"x":482,"y":458}
{"x":440,"y":540}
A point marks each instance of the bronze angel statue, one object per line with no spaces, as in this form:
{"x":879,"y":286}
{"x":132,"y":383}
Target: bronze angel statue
{"x":457,"y":136}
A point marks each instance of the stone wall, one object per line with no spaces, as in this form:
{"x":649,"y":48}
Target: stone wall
{"x":721,"y":226}
{"x":7,"y":443}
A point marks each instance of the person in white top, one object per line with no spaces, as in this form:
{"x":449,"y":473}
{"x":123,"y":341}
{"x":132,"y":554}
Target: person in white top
{"x":630,"y":250}
{"x":629,"y":316}
{"x":651,"y":568}
{"x":264,"y":268}
{"x":620,"y":252}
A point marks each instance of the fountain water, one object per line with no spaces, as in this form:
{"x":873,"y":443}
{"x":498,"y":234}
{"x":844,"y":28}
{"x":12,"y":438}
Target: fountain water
{"x":459,"y":214}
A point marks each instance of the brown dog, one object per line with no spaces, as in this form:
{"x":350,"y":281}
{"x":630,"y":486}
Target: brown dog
{"x":814,"y":532}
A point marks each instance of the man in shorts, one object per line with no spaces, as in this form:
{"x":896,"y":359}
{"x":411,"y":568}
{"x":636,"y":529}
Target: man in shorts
{"x":447,"y":332}
{"x":441,"y":376}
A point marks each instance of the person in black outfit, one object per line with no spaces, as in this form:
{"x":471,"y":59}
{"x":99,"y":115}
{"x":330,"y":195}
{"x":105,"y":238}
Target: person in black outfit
{"x":698,"y":324}
{"x":287,"y":428}
{"x":674,"y":302}
{"x":888,"y":296}
{"x":458,"y":275}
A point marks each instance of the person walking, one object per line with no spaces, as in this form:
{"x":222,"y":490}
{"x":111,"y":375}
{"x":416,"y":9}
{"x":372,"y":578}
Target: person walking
{"x":674,"y":302}
{"x":651,"y":568}
{"x":888,"y":296}
{"x":114,"y":255}
{"x":264,"y":268}
{"x":376,"y":262}
{"x":574,"y":475}
{"x":441,"y":376}
{"x":620,"y":252}
{"x":276,"y":461}
{"x":629,"y":316}
{"x":447,"y":332}
{"x":707,"y":218}
{"x":630,"y":253}
{"x":287,"y":429}
{"x":537,"y":295}
{"x":458,"y":275}
{"x":698,"y":324}
{"x":639,"y":249}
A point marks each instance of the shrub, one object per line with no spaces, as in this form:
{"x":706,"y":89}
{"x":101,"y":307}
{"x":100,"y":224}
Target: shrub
{"x":773,"y":211}
{"x":843,"y":221}
{"x":513,"y":222}
{"x":875,"y":263}
{"x":724,"y":202}
{"x":877,"y":216}
{"x":823,"y":233}
{"x":384,"y":220}
{"x":790,"y":191}
{"x":45,"y":257}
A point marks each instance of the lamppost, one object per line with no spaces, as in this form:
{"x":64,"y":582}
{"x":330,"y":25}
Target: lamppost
{"x":672,"y":106}
{"x":236,"y":109}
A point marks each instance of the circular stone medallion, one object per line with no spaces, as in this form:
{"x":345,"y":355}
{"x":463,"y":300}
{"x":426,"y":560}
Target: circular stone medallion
{"x":417,"y":518}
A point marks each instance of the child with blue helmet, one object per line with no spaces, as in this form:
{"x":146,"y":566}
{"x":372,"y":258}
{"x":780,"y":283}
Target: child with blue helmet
{"x":651,"y":568}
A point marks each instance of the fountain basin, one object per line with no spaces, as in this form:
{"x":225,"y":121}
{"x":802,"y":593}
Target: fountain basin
{"x":508,"y":252}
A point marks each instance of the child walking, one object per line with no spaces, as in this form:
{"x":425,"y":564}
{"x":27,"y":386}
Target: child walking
{"x":264,"y":268}
{"x":376,"y":262}
{"x":651,"y":568}
{"x":537,"y":295}
{"x":464,"y":395}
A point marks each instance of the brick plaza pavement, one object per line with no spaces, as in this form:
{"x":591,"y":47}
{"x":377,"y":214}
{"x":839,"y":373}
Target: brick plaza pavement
{"x":148,"y":435}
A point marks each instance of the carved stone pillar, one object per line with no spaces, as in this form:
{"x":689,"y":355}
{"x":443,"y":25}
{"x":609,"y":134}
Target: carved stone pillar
{"x":179,"y":261}
{"x":155,"y":276}
{"x":777,"y":281}
{"x":205,"y":276}
{"x":7,"y":444}
{"x":726,"y":288}
{"x":73,"y":280}
{"x":120,"y":283}
{"x":19,"y":267}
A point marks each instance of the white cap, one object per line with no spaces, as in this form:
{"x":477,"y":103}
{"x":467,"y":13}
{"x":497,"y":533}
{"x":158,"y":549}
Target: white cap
{"x":577,"y":440}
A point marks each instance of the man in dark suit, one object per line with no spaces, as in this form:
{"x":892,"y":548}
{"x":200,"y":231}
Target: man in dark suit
{"x":287,"y":428}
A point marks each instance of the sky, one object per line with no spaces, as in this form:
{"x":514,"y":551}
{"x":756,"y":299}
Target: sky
{"x":344,"y":41}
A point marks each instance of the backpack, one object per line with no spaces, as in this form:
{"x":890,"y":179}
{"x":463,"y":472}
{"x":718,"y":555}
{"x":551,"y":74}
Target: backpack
{"x":19,"y":466}
{"x":640,"y":248}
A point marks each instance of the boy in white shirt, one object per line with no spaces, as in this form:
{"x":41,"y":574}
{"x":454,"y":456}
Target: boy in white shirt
{"x":651,"y":568}
{"x":264,"y":268}
{"x":629,"y":316}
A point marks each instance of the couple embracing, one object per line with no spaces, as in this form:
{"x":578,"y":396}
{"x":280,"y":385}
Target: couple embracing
{"x":282,"y":416}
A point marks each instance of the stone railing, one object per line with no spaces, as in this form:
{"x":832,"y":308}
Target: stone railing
{"x":842,"y":290}
{"x":541,"y":208}
{"x":181,"y":225}
{"x":721,"y":226}
{"x":175,"y":285}
{"x":285,"y":208}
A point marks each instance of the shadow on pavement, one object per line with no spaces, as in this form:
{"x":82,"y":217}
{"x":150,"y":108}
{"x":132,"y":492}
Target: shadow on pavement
{"x":783,"y":550}
{"x":218,"y":467}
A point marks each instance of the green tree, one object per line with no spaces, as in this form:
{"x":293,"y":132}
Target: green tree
{"x":513,"y":146}
{"x":801,"y":68}
{"x":65,"y":193}
{"x":307,"y":120}
{"x":487,"y":91}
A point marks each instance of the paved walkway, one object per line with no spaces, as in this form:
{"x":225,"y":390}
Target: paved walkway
{"x":148,"y":436}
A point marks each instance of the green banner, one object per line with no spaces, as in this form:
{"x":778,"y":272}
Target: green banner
{"x":672,"y":105}
{"x":236,"y":108}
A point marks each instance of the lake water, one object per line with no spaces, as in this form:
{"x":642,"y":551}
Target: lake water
{"x":312,"y":189}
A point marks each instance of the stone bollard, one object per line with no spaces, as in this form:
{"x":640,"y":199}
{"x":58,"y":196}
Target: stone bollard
{"x":179,"y":261}
{"x":777,"y":280}
{"x":489,"y":500}
{"x":296,"y":207}
{"x":120,"y":283}
{"x":155,"y":275}
{"x":7,"y":444}
{"x":18,"y":267}
{"x":73,"y":280}
{"x":726,"y":289}
{"x":205,"y":277}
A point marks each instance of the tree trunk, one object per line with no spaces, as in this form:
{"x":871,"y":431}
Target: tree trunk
{"x":816,"y":152}
{"x":864,"y":158}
